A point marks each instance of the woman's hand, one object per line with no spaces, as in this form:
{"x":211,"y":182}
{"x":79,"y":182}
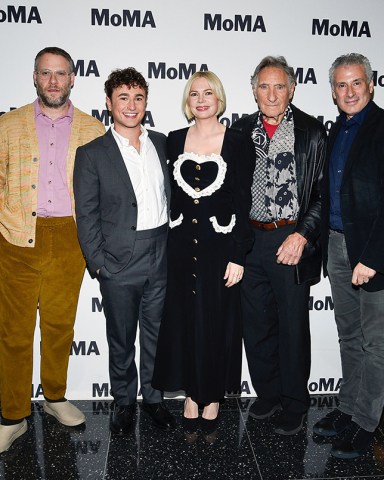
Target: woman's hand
{"x":233,"y":274}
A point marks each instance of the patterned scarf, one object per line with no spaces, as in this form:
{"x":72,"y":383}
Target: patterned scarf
{"x":274,"y":188}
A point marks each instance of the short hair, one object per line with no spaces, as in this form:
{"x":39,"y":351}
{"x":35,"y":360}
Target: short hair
{"x":351,"y":59}
{"x":55,"y":51}
{"x":274,"y":62}
{"x":127,"y":76}
{"x":217,"y":89}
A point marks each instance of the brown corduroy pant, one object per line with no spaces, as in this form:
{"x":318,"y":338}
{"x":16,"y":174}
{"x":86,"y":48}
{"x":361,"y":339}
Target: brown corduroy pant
{"x":49,"y":276}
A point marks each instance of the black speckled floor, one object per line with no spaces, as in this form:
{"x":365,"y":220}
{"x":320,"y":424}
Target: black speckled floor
{"x":241,"y":448}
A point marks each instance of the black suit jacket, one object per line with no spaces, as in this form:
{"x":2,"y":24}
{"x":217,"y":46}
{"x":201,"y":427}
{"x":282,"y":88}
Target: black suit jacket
{"x":361,"y":197}
{"x":310,"y":149}
{"x":105,"y":202}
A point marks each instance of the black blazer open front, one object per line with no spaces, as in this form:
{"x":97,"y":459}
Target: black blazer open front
{"x":106,"y":206}
{"x":361,"y":197}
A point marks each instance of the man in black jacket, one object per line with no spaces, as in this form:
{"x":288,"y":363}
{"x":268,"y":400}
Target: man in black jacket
{"x":353,"y":239}
{"x":285,"y":259}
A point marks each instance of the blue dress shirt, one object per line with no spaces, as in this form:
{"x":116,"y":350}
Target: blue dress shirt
{"x":338,"y":160}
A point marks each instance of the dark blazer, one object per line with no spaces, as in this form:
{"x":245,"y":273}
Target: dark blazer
{"x":310,"y":150}
{"x":105,"y":202}
{"x":361,"y":198}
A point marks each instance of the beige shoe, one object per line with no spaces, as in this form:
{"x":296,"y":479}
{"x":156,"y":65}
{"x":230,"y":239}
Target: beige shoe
{"x":9,"y":433}
{"x":65,"y":413}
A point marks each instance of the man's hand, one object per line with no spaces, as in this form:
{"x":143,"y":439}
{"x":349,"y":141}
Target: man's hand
{"x":362,"y":274}
{"x":290,"y":251}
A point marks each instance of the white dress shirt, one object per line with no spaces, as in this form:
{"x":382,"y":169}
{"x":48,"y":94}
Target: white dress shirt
{"x":147,"y":179}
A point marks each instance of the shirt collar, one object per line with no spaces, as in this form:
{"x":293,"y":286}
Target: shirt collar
{"x":358,"y":118}
{"x":124,"y":142}
{"x":39,"y":112}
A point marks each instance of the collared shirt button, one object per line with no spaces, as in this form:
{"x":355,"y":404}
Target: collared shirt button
{"x":193,"y":291}
{"x":198,"y":167}
{"x":196,"y":201}
{"x":194,"y":240}
{"x":197,"y":189}
{"x":194,"y":220}
{"x":34,"y":159}
{"x":33,"y":186}
{"x":195,"y":259}
{"x":30,"y":240}
{"x":33,"y":214}
{"x":197,"y":179}
{"x":194,"y":275}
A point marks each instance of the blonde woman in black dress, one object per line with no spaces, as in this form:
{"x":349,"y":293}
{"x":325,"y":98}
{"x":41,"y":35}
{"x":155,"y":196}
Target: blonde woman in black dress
{"x":199,"y":348}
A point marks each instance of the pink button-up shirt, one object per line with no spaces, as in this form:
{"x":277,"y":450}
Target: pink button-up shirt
{"x":53,"y":199}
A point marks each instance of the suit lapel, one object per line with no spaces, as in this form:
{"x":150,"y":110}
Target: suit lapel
{"x":163,"y":162}
{"x":117,"y":161}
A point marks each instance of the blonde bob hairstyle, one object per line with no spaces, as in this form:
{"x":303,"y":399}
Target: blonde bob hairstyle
{"x":217,"y":89}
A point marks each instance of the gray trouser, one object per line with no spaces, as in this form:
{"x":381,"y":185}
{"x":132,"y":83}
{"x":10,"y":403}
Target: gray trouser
{"x":359,"y":318}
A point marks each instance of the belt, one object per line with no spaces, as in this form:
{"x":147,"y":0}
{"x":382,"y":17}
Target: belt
{"x":336,"y":230}
{"x":271,"y":225}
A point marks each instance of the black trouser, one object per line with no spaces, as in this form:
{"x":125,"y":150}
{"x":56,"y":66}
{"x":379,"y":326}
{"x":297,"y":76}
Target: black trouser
{"x":276,"y":324}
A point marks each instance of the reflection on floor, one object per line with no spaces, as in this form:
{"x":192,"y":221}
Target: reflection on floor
{"x":241,"y":448}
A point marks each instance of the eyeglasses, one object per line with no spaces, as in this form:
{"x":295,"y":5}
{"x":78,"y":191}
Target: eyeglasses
{"x":60,"y":74}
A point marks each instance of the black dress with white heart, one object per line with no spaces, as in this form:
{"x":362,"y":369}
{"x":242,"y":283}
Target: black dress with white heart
{"x":199,"y":347}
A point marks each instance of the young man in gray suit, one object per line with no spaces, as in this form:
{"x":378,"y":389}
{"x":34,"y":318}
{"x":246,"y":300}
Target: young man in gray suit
{"x":122,"y":197}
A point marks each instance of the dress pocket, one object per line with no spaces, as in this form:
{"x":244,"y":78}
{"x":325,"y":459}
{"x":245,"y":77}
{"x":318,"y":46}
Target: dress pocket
{"x":223,"y":228}
{"x":177,"y":222}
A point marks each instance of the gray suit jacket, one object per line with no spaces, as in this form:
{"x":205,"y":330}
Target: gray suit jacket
{"x":105,"y":202}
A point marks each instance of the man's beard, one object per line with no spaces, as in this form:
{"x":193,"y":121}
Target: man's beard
{"x":53,"y":102}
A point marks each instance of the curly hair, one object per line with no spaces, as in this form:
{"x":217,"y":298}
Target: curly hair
{"x":127,"y":76}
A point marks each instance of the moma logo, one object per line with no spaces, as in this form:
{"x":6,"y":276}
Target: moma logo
{"x":85,"y":447}
{"x":181,"y":71}
{"x":305,"y":75}
{"x":378,"y":80}
{"x":327,"y":123}
{"x":100,"y":390}
{"x":228,"y":121}
{"x":20,"y":14}
{"x":346,"y":28}
{"x":127,"y":18}
{"x":326,"y":304}
{"x":86,"y":68}
{"x":325,"y":385}
{"x":10,"y":109}
{"x":321,"y":401}
{"x":240,"y":23}
{"x":37,"y":391}
{"x":84,"y":348}
{"x":104,"y":117}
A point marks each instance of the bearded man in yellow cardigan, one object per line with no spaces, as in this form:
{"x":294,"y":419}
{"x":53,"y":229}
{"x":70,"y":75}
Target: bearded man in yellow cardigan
{"x":41,"y":263}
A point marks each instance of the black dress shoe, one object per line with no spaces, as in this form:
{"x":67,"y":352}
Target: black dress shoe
{"x":123,"y":419}
{"x":264,"y":408}
{"x":190,"y":424}
{"x":290,"y":423}
{"x":332,"y":424}
{"x":354,"y":443}
{"x":161,"y":417}
{"x":209,"y":426}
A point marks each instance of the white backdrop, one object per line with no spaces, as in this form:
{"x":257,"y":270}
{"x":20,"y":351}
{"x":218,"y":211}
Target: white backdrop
{"x":167,"y":41}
